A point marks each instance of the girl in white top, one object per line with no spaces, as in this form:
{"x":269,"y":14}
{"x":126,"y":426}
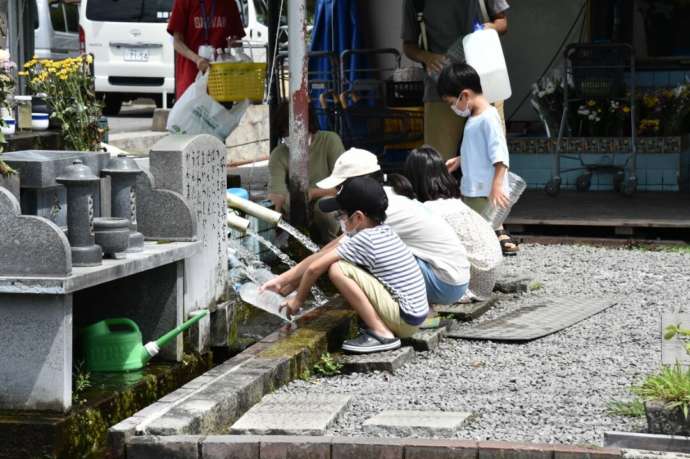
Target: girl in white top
{"x":428,"y":180}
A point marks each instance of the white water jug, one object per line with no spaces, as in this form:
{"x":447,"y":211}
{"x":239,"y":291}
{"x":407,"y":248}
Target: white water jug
{"x":483,"y":51}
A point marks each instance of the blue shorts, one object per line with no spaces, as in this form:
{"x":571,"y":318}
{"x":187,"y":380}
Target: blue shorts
{"x":437,"y":291}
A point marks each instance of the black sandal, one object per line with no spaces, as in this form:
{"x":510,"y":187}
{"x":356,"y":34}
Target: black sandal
{"x":508,"y":246}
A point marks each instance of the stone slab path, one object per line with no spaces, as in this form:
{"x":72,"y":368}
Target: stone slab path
{"x":425,"y":340}
{"x":466,"y":312}
{"x":515,"y":282}
{"x":286,"y":414}
{"x":416,"y":423}
{"x":389,"y":361}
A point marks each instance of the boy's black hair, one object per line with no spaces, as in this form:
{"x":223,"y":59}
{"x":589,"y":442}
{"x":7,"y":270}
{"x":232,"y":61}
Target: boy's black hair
{"x":456,"y":78}
{"x":429,"y":176}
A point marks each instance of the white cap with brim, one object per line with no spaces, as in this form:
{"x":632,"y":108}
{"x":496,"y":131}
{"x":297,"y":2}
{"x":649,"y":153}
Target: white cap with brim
{"x":355,"y":162}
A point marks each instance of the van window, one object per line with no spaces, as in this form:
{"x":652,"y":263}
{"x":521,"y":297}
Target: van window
{"x":72,"y":15}
{"x":129,"y":10}
{"x":57,"y":16}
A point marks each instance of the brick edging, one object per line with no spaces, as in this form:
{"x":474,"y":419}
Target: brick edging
{"x":256,"y":447}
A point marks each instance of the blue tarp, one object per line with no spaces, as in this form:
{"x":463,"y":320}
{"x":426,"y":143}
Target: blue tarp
{"x":336,"y":28}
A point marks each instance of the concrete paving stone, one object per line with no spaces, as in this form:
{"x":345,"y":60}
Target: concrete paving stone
{"x":466,"y":312}
{"x":440,"y":449}
{"x":425,"y":340}
{"x":286,"y":414}
{"x":389,"y":361}
{"x":515,"y":282}
{"x":279,"y":447}
{"x":173,"y":447}
{"x":507,"y":450}
{"x":230,"y":447}
{"x":369,"y":448}
{"x":652,"y":442}
{"x":409,"y":423}
{"x":174,"y":422}
{"x":579,"y":452}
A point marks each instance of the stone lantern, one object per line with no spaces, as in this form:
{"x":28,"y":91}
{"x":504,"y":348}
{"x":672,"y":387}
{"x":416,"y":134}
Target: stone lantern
{"x":81,"y":186}
{"x":123,"y":172}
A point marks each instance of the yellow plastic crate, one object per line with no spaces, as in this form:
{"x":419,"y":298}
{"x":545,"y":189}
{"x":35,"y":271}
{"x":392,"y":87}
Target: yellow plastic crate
{"x":236,"y":81}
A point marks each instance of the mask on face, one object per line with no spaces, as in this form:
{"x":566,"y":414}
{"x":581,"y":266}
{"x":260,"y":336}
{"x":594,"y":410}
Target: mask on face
{"x":343,"y":228}
{"x":463,"y":113}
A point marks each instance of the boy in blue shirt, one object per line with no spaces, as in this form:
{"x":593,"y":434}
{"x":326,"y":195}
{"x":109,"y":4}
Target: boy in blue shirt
{"x":484,"y":151}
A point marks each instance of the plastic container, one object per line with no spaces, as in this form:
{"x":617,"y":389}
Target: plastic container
{"x":483,"y":51}
{"x":23,"y":112}
{"x":237,"y":81}
{"x":40,"y":121}
{"x":10,"y":126}
{"x":112,"y":345}
{"x":496,"y":216}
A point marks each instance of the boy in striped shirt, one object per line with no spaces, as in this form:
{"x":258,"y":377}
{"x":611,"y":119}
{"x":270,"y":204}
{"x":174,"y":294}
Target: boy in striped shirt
{"x":372,"y":269}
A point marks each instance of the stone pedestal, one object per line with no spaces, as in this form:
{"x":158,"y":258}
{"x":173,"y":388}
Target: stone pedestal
{"x":194,"y":166}
{"x":36,"y":361}
{"x":10,"y":182}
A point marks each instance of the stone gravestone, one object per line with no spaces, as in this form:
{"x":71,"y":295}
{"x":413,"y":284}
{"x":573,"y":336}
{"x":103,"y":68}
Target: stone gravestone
{"x":194,"y":166}
{"x":673,"y":350}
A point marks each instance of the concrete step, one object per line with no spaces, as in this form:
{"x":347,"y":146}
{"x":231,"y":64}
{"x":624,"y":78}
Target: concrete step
{"x":390,"y":361}
{"x":516,"y":282}
{"x":412,"y":423}
{"x":467,"y":312}
{"x":290,"y":414}
{"x":425,"y":340}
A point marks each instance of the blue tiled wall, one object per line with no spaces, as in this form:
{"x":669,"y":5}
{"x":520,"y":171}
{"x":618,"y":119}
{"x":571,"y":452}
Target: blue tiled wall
{"x":655,"y":172}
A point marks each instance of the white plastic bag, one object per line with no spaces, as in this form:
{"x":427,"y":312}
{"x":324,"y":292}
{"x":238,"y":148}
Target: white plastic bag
{"x":198,"y":113}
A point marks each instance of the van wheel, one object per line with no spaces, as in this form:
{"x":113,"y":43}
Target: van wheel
{"x":112,"y":104}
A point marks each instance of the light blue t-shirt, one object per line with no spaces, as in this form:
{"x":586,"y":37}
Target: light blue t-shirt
{"x":483,"y":145}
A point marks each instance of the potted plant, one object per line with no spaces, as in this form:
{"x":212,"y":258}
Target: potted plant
{"x":666,"y":394}
{"x":8,"y":177}
{"x":69,"y":90}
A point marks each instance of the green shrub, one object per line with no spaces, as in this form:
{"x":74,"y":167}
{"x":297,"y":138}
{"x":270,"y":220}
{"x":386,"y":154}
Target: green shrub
{"x":671,"y":385}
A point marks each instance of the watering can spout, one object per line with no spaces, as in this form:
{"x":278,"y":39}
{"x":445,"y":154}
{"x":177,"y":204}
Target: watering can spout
{"x":152,"y":348}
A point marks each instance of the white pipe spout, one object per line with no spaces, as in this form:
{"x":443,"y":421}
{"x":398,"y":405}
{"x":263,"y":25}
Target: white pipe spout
{"x":253,"y":209}
{"x":236,"y":222}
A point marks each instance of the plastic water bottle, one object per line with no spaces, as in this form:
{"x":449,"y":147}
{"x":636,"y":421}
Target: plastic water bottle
{"x":497,"y":215}
{"x":483,"y":51}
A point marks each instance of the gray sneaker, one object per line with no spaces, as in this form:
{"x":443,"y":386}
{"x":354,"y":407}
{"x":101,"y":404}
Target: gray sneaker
{"x":368,"y":342}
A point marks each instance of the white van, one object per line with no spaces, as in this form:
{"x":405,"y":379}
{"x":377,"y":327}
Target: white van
{"x":56,"y":29}
{"x":133,"y":54}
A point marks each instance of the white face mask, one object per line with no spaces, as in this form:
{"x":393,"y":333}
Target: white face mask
{"x":463,"y":113}
{"x":343,"y":228}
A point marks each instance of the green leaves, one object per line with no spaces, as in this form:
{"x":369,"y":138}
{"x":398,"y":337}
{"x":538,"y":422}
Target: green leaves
{"x":670,"y":385}
{"x":327,"y":366}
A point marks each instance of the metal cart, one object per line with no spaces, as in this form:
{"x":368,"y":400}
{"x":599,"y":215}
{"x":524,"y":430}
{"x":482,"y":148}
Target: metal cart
{"x":369,"y":119}
{"x":597,"y":71}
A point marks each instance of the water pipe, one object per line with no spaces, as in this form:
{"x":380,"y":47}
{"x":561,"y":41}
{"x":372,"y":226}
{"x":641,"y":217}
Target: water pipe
{"x":236,"y":222}
{"x":153,"y":347}
{"x":253,"y":209}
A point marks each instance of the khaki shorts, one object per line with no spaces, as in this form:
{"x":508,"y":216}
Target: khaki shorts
{"x":476,"y":204}
{"x":443,"y":129}
{"x":382,"y":301}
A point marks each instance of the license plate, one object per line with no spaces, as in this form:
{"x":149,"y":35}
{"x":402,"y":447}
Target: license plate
{"x":136,"y":55}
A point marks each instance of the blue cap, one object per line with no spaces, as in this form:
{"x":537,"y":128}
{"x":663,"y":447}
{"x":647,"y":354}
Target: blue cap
{"x":239,"y":192}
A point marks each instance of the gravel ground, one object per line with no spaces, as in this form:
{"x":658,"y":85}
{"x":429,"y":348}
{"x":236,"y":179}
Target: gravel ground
{"x":554,"y":389}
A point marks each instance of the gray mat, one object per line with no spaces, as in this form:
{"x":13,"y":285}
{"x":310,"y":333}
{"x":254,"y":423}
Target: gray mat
{"x":539,"y":319}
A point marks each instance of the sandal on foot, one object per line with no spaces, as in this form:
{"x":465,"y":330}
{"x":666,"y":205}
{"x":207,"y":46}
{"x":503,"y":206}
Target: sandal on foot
{"x":368,"y":342}
{"x":508,"y":246}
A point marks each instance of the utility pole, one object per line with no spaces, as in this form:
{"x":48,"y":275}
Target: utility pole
{"x":299,"y":112}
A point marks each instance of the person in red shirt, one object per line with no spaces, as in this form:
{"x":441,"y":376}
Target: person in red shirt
{"x":196,"y":23}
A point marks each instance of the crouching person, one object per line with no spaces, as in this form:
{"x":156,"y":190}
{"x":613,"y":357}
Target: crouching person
{"x":371,"y":267}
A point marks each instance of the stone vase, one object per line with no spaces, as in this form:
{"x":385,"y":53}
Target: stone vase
{"x":11,"y":182}
{"x":661,"y":420}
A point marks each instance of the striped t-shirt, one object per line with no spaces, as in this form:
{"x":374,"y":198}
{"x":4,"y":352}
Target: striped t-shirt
{"x":381,"y":252}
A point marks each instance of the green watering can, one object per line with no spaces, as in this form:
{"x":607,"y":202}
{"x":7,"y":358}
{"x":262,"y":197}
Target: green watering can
{"x":115,"y":344}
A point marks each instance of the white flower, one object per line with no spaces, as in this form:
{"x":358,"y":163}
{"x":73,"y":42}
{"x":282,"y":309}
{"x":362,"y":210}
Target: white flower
{"x":535,"y":88}
{"x":4,"y":55}
{"x":583,"y":110}
{"x":550,"y":88}
{"x":541,"y":94}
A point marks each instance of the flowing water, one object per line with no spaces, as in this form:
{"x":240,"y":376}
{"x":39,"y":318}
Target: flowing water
{"x":249,"y":266}
{"x":300,"y":236}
